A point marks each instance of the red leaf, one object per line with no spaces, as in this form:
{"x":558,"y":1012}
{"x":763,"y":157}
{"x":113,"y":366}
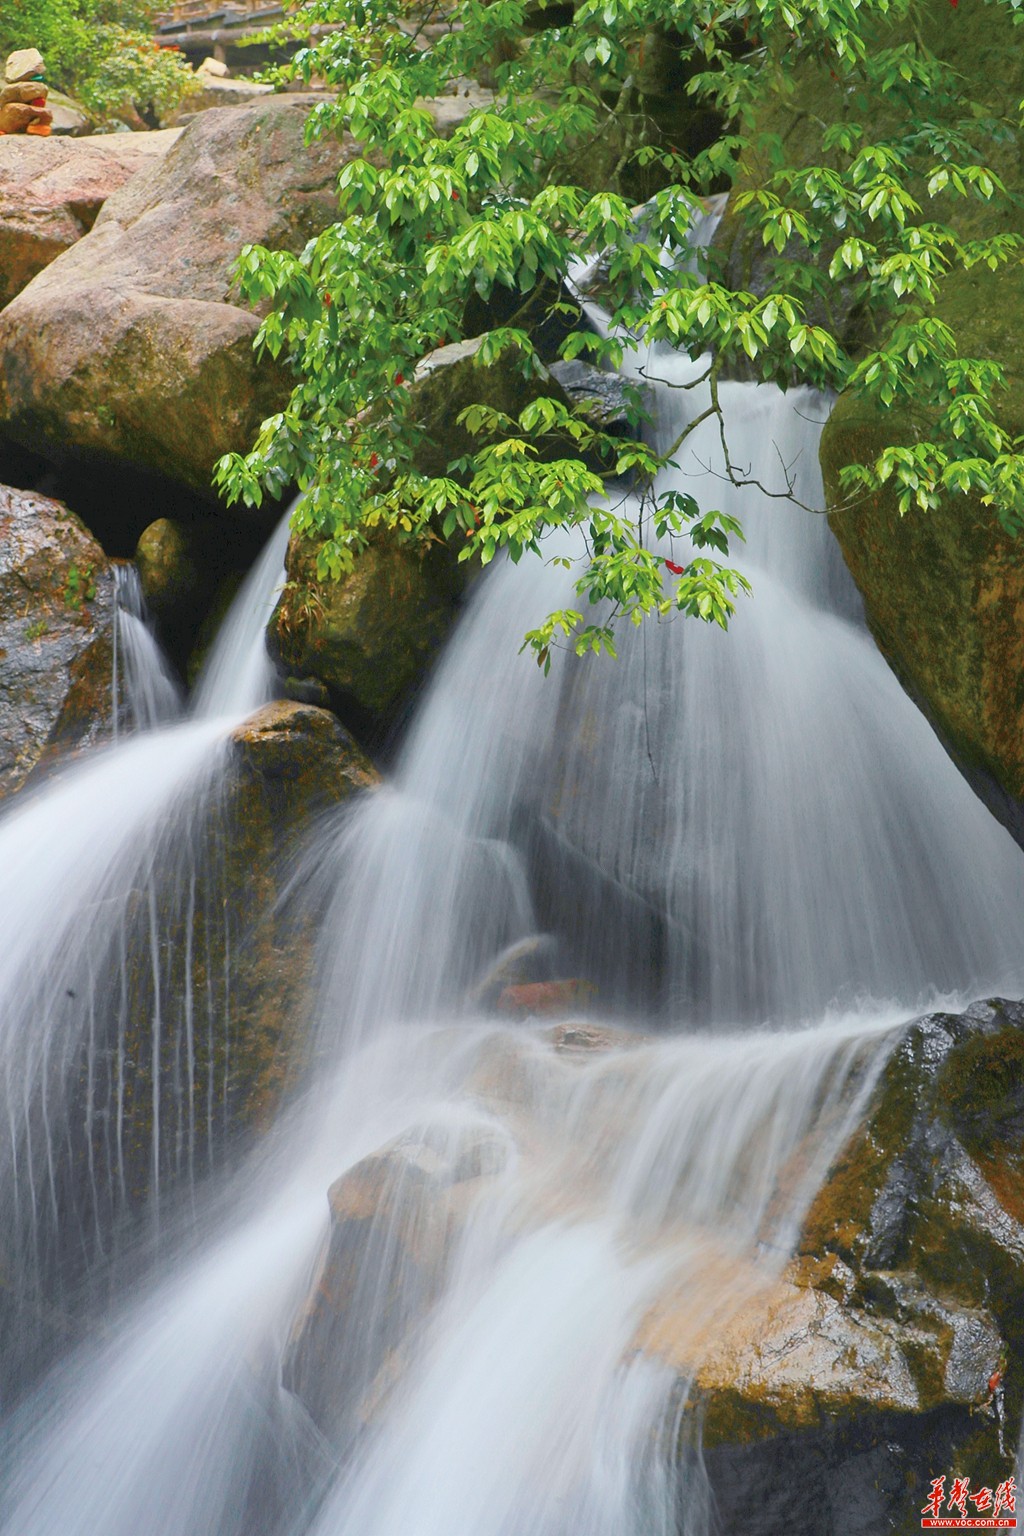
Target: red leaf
{"x":677,"y":570}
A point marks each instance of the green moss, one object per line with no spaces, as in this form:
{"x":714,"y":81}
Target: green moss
{"x":980,"y":1091}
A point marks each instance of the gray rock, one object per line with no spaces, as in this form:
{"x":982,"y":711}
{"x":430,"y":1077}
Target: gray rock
{"x":56,"y":636}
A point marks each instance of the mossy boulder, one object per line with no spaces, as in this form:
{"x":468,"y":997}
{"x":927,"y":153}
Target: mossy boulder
{"x":236,"y":960}
{"x":169,"y":570}
{"x":369,"y":637}
{"x":56,"y":636}
{"x":866,"y":1366}
{"x":943,"y":590}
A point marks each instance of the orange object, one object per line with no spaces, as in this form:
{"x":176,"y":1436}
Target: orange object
{"x":41,"y":130}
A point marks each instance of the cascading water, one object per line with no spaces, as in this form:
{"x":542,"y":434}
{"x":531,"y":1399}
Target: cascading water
{"x":536,"y":1230}
{"x":143,"y":692}
{"x":110,"y":856}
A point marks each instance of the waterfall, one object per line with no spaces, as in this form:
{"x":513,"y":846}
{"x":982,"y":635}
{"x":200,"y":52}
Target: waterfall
{"x":143,"y":690}
{"x":755,"y":849}
{"x":109,"y":853}
{"x":238,"y":675}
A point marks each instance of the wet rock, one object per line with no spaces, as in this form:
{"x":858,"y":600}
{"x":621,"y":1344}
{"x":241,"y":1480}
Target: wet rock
{"x":448,"y":380}
{"x":169,"y":572}
{"x":876,"y":1351}
{"x":541,"y":997}
{"x":51,"y":191}
{"x":527,"y":960}
{"x":793,"y":1356}
{"x":370,"y":636}
{"x":393,"y":1218}
{"x":56,"y":635}
{"x":130,"y":346}
{"x":300,"y":756}
{"x":235,"y":981}
{"x":608,"y":401}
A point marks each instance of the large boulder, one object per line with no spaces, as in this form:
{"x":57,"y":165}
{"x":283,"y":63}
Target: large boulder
{"x":56,"y":635}
{"x":130,"y":346}
{"x":369,"y":637}
{"x":51,"y":191}
{"x":944,"y":590}
{"x":235,"y":987}
{"x":867,"y":1367}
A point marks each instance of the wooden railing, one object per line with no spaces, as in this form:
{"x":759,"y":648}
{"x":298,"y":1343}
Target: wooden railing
{"x":196,"y":10}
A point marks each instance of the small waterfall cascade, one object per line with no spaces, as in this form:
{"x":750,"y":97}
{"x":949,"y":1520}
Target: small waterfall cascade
{"x":750,"y":843}
{"x":239,"y":675}
{"x":144,"y":694}
{"x":112,"y":858}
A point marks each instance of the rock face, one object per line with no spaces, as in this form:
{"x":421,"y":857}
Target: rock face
{"x":56,"y":635}
{"x":944,"y":590}
{"x":235,"y":988}
{"x":51,"y":191}
{"x":369,"y":637}
{"x":129,"y":346}
{"x":867,"y":1368}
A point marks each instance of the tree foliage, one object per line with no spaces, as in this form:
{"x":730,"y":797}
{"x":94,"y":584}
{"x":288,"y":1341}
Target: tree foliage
{"x":433,"y":227}
{"x":99,"y":51}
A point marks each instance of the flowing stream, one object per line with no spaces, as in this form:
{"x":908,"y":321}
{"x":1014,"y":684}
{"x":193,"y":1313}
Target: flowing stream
{"x":755,"y":850}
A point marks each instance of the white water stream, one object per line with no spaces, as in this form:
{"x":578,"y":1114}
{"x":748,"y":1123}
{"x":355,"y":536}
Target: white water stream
{"x":757,"y":849}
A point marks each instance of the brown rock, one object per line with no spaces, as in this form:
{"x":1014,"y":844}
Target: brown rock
{"x":303,"y":754}
{"x":235,"y":986}
{"x":168,"y":569}
{"x":536,"y":997}
{"x":56,"y":635}
{"x":130,"y":345}
{"x":51,"y":191}
{"x":393,"y":1219}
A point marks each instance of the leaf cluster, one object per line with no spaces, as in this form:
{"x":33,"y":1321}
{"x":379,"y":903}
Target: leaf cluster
{"x":489,"y":213}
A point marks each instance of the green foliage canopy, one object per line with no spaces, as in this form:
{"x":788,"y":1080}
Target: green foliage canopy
{"x":494,"y":212}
